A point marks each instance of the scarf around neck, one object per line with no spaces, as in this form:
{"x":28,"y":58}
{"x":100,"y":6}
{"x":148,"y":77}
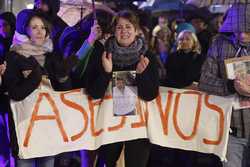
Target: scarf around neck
{"x":125,"y":56}
{"x":242,"y":48}
{"x":23,"y":46}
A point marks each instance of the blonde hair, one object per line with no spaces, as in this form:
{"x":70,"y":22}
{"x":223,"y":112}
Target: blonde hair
{"x":196,"y":47}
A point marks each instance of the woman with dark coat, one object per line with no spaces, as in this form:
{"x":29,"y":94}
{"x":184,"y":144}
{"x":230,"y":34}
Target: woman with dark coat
{"x":183,"y":70}
{"x":124,"y":52}
{"x":184,"y":65}
{"x":30,"y":61}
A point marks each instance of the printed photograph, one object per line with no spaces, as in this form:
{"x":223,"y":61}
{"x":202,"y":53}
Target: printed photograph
{"x":237,"y":67}
{"x":124,"y":92}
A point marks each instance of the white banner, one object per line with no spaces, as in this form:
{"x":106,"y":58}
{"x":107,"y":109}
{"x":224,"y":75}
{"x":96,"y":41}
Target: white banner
{"x":49,"y":122}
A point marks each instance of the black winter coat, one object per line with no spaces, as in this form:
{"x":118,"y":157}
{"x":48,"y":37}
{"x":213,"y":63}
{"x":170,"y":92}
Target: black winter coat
{"x":18,"y":86}
{"x":4,"y":47}
{"x":182,"y":69}
{"x":97,"y":79}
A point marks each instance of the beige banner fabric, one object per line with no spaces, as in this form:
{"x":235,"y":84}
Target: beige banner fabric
{"x":49,"y":122}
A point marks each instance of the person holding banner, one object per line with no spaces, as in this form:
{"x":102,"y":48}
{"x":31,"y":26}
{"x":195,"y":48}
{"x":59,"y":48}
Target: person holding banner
{"x":183,"y":76}
{"x":77,"y":43}
{"x":189,"y":59}
{"x":125,"y":51}
{"x":30,"y":59}
{"x":214,"y":79}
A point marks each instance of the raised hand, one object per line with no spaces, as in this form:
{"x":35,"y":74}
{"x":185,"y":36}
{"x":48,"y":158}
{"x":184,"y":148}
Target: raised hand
{"x":107,"y":62}
{"x":156,"y":30}
{"x":95,"y":33}
{"x":2,"y":68}
{"x":142,"y":65}
{"x":242,"y":85}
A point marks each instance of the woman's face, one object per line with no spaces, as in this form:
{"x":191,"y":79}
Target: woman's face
{"x":5,"y":29}
{"x":185,"y":42}
{"x":125,"y":32}
{"x":37,"y":31}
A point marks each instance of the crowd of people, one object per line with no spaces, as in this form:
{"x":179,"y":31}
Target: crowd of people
{"x":37,"y":46}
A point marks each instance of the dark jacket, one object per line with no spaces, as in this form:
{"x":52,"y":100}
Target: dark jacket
{"x":71,"y":41}
{"x":205,"y":38}
{"x":97,"y":79}
{"x":18,"y":86}
{"x":79,"y":80}
{"x":6,"y":42}
{"x":4,"y":47}
{"x":182,"y":69}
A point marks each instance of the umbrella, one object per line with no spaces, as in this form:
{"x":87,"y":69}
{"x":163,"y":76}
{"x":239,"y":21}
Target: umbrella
{"x":202,"y":3}
{"x":73,"y":11}
{"x":168,"y":6}
{"x":93,"y":9}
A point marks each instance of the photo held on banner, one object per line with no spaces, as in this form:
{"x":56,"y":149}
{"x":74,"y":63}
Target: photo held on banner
{"x":49,"y":122}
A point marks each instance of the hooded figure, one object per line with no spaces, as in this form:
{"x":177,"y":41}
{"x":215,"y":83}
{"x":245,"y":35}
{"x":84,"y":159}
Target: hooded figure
{"x":214,"y":80}
{"x":7,"y":29}
{"x":50,"y":8}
